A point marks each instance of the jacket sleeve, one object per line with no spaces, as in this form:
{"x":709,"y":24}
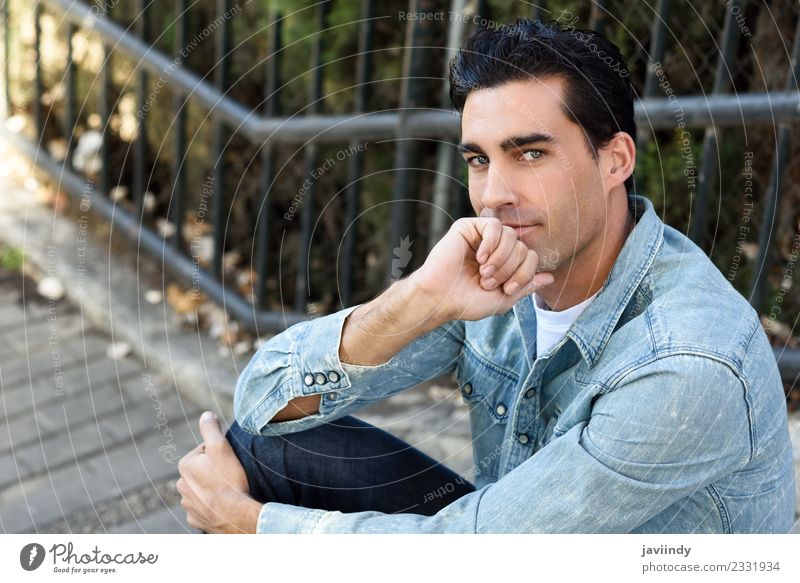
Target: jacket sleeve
{"x":304,"y":360}
{"x":668,"y":429}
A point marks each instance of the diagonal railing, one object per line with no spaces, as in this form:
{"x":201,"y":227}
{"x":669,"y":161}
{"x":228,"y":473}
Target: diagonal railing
{"x":415,"y":117}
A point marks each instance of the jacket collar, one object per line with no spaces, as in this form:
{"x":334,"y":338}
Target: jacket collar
{"x":593,"y":328}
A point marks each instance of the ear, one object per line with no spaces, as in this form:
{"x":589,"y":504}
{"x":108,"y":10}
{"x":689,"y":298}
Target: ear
{"x":618,"y":159}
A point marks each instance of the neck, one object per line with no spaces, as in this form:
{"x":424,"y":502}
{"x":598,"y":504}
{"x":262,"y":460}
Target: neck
{"x":581,"y":278}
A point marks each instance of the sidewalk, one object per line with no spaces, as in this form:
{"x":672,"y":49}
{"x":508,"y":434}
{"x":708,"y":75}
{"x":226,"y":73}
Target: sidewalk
{"x":91,"y":444}
{"x":88,"y":443}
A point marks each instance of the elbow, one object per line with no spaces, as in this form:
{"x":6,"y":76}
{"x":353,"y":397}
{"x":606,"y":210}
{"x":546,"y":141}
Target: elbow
{"x":242,"y":408}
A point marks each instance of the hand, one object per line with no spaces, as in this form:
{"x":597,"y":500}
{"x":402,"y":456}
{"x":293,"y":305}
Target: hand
{"x":478,"y":269}
{"x":213,"y":484}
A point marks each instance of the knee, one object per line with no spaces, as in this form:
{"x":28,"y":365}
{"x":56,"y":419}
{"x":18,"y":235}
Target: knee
{"x":238,"y":437}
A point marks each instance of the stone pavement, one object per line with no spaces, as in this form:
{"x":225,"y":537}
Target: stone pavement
{"x":90,"y":444}
{"x":87,"y":443}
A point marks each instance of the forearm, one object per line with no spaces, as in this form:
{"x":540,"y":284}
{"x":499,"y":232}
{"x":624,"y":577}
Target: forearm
{"x":376,"y":331}
{"x":280,"y":384}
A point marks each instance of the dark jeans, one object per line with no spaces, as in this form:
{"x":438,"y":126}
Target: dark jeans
{"x":346,"y":465}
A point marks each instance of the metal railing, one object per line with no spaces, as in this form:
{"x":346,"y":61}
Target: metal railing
{"x":415,"y":117}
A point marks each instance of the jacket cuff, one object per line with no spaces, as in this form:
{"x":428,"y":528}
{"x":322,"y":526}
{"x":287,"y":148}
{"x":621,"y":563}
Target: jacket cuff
{"x":278,"y":518}
{"x":314,"y":368}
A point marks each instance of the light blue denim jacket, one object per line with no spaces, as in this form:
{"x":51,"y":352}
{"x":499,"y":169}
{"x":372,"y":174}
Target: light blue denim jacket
{"x":661,"y":410}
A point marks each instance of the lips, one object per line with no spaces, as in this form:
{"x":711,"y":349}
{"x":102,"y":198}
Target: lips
{"x":522,"y":229}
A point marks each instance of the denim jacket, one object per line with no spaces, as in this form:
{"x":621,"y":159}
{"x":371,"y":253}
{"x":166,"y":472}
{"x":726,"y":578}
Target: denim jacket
{"x":661,"y":410}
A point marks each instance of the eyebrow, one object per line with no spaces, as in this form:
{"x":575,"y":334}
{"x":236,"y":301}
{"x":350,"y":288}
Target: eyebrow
{"x":512,"y":143}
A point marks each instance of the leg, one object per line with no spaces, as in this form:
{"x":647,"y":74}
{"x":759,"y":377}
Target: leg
{"x":346,"y":465}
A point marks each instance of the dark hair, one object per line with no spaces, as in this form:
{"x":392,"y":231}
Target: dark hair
{"x":598,"y":94}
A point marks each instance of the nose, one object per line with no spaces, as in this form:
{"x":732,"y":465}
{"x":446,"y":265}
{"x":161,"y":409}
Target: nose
{"x":498,"y":190}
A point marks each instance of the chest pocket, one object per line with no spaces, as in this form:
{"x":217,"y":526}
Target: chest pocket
{"x":489,"y":391}
{"x":486,"y":384}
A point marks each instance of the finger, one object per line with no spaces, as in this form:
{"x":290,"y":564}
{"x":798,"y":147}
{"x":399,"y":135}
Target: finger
{"x":489,"y":270}
{"x":490,"y":231}
{"x":186,"y":461}
{"x":540,"y":280}
{"x":519,"y":255}
{"x":523,"y":273}
{"x":209,"y":429}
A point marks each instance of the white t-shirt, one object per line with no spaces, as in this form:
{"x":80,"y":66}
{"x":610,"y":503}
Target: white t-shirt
{"x":552,"y":326}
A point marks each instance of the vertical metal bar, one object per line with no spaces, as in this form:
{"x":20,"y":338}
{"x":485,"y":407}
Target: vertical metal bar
{"x":356,"y":161}
{"x":105,"y":114}
{"x":597,"y":16}
{"x":38,"y":88}
{"x":763,"y":262}
{"x":444,"y":183}
{"x":140,"y":146}
{"x":6,"y":60}
{"x":219,"y":139}
{"x":401,"y":223}
{"x":69,"y":106}
{"x":729,"y":42}
{"x":658,"y":34}
{"x":658,"y":31}
{"x":312,"y":151}
{"x":180,"y":103}
{"x":264,"y":216}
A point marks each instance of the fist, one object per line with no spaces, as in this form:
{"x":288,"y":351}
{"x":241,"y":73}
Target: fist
{"x":478,"y":269}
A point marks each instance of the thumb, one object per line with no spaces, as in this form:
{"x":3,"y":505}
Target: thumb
{"x":209,"y":428}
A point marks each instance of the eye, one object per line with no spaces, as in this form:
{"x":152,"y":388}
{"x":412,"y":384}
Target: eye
{"x":532,"y":155}
{"x":476,"y":161}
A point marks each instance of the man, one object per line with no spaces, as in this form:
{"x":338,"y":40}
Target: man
{"x":616,"y":381}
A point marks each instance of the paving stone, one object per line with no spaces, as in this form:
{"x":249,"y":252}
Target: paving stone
{"x":39,"y":363}
{"x":105,"y":402}
{"x":43,"y":499}
{"x":15,"y":315}
{"x":87,"y":345}
{"x":73,"y":382}
{"x":167,"y":521}
{"x":97,"y":435}
{"x":41,"y":333}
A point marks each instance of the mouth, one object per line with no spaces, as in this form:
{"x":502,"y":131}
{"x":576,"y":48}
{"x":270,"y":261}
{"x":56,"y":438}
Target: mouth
{"x":522,"y":229}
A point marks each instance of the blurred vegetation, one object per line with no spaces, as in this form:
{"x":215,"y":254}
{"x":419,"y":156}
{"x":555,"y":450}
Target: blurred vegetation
{"x":693,"y":32}
{"x":11,"y":258}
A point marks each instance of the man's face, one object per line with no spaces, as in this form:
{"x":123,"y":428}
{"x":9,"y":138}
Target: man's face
{"x":530,"y":167}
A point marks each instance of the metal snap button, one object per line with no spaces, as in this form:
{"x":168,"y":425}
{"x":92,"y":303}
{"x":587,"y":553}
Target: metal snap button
{"x":523,"y":438}
{"x":501,"y":409}
{"x":320,"y":378}
{"x":468,"y":389}
{"x":530,"y":393}
{"x":333,"y":376}
{"x":308,"y":380}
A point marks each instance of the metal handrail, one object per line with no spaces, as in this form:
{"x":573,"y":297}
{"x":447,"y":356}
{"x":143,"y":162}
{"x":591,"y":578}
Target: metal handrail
{"x":408,"y":121}
{"x":700,"y":111}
